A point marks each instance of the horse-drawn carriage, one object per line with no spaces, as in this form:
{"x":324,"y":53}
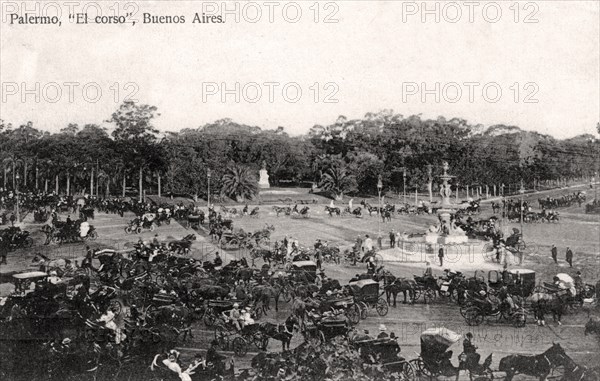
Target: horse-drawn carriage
{"x":235,"y":239}
{"x":138,"y":224}
{"x":69,"y":232}
{"x":16,"y":238}
{"x":325,"y":329}
{"x":564,"y":289}
{"x":366,"y":295}
{"x":434,"y":359}
{"x":229,"y":337}
{"x":183,"y":245}
{"x":519,"y":283}
{"x":303,"y":270}
{"x":386,"y":352}
{"x":214,"y":310}
{"x":23,"y":281}
{"x":86,"y":212}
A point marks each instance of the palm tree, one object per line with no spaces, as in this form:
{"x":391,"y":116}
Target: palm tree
{"x":338,"y":181}
{"x":239,"y":183}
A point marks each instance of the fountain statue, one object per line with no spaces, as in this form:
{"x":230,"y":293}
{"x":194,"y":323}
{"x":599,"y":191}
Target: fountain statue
{"x":263,"y":181}
{"x":447,"y":232}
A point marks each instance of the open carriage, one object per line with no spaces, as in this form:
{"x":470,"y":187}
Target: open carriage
{"x":366,"y":295}
{"x":230,"y":338}
{"x":385,"y":352}
{"x":326,"y":329}
{"x":215,"y":308}
{"x":346,"y":305}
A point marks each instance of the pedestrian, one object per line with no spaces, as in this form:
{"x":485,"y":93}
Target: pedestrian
{"x":367,"y":244}
{"x":569,"y":257}
{"x":554,"y":252}
{"x":441,"y":255}
{"x":12,"y":219}
{"x":382,"y":332}
{"x":392,"y":239}
{"x":3,"y":251}
{"x":319,"y":257}
{"x":379,"y":242}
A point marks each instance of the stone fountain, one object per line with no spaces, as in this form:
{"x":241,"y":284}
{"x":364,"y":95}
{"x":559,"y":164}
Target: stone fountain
{"x":446,"y":232}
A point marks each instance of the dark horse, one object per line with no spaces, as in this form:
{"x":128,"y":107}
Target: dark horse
{"x":281,"y":332}
{"x":393,"y":286}
{"x":534,"y":365}
{"x":542,"y":303}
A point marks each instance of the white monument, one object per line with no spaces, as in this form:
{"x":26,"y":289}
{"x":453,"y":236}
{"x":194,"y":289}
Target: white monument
{"x":447,"y":232}
{"x":263,"y":181}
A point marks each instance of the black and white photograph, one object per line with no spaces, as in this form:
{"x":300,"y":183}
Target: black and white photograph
{"x":305,"y":190}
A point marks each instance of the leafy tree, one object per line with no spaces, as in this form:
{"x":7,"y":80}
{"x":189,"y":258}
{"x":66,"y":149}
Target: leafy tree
{"x":239,"y":183}
{"x":338,"y":181}
{"x":136,"y":137}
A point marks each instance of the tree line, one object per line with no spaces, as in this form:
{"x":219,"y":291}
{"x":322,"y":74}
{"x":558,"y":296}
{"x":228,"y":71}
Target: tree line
{"x":345,"y":157}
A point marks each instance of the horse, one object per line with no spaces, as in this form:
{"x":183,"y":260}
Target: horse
{"x":281,"y":332}
{"x":579,"y":373}
{"x":386,"y":215}
{"x":393,"y":286}
{"x":331,"y":211}
{"x":541,"y":303}
{"x":533,"y":365}
{"x":47,"y":265}
{"x":369,"y":208}
{"x":262,"y":294}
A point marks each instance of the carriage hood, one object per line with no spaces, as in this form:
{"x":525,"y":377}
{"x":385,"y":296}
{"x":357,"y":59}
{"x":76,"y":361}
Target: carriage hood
{"x":438,"y":340}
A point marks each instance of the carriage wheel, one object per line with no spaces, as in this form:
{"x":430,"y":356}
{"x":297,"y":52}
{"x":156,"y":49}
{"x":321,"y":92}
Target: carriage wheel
{"x":381,"y":307}
{"x":28,"y":242}
{"x":161,"y":280}
{"x":209,"y":318}
{"x":286,"y":295}
{"x":128,"y":230}
{"x":240,"y":348}
{"x":416,"y":294}
{"x":115,"y":305}
{"x":364,"y":310}
{"x":428,"y":294}
{"x":138,"y":230}
{"x":408,"y":371}
{"x":353,"y":314}
{"x":420,"y":369}
{"x":519,"y":319}
{"x":221,"y":336}
{"x":575,"y":305}
{"x":473,"y":316}
{"x":152,"y":227}
{"x":93,"y":235}
{"x":261,"y":341}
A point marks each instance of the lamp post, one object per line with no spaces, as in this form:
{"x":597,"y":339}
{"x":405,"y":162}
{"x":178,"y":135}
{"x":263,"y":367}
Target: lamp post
{"x":208,"y":196}
{"x":404,"y":187}
{"x":379,"y":188}
{"x":17,"y":177}
{"x":522,"y":192}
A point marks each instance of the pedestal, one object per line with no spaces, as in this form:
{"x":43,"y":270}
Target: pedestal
{"x":263,"y":182}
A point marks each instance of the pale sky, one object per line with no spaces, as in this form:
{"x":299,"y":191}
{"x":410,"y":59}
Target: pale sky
{"x":374,"y":59}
